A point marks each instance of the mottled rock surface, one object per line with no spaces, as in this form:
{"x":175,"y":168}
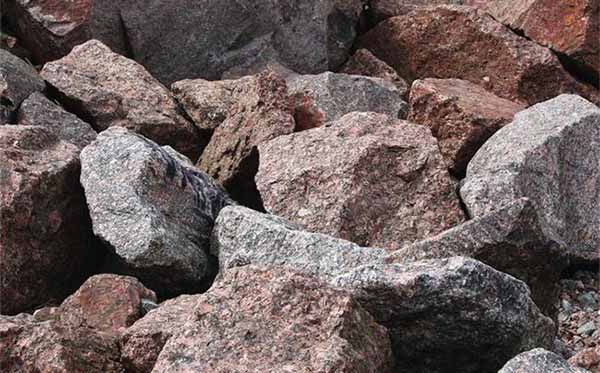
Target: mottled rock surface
{"x":366,"y":178}
{"x":329,"y":96}
{"x":107,"y":89}
{"x":549,"y":154}
{"x":46,"y":240}
{"x":539,"y":361}
{"x":380,"y":10}
{"x":153,"y":210}
{"x":37,"y":110}
{"x":262,"y":112}
{"x":461,"y":115}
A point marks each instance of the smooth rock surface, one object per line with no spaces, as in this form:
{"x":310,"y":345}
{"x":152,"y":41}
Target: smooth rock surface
{"x":549,"y":154}
{"x":539,"y":360}
{"x":366,"y":178}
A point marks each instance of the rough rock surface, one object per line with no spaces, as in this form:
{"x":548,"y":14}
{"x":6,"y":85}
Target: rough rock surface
{"x":549,"y":154}
{"x":329,"y":96}
{"x":37,"y":110}
{"x":18,"y":80}
{"x":465,"y":43}
{"x":152,"y":209}
{"x":539,"y":361}
{"x":262,"y":112}
{"x":366,"y":178}
{"x":461,"y":115}
{"x":365,"y":63}
{"x":380,"y":10}
{"x":308,"y":37}
{"x":46,"y":240}
{"x":107,"y":89}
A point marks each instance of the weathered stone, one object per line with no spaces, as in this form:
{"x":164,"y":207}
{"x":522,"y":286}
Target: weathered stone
{"x":380,"y":10}
{"x":152,"y":210}
{"x":588,"y":358}
{"x":539,"y":361}
{"x":465,"y":43}
{"x":107,"y":89}
{"x":18,"y":80}
{"x":46,"y":240}
{"x":37,"y":110}
{"x":329,"y":96}
{"x":364,"y":62}
{"x":262,"y":112}
{"x":548,"y":154}
{"x":461,"y":115}
{"x":366,"y":177}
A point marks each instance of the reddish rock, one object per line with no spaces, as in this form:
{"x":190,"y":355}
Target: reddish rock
{"x":461,"y":115}
{"x":465,"y":43}
{"x":380,"y":10}
{"x":588,"y":359}
{"x":108,"y":90}
{"x":262,"y":112}
{"x":46,"y":239}
{"x":366,"y":177}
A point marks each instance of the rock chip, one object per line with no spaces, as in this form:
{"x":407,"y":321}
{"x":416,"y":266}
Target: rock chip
{"x":107,"y":89}
{"x":549,"y":154}
{"x":329,"y":96}
{"x":262,"y":112}
{"x":366,"y":178}
{"x":588,"y":358}
{"x":539,"y":360}
{"x":37,"y":110}
{"x":153,"y":210}
{"x":46,"y":239}
{"x":461,"y":115}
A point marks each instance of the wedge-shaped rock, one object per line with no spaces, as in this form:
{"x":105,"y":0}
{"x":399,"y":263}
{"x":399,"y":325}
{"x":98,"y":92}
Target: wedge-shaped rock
{"x":46,"y":239}
{"x":549,"y":154}
{"x":366,"y":178}
{"x":539,"y":360}
{"x":152,"y":209}
{"x":329,"y":96}
{"x":107,"y":89}
{"x":18,"y":80}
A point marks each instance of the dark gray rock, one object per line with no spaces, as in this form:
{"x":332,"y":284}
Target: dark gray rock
{"x":549,"y":154}
{"x":152,"y":210}
{"x":539,"y":361}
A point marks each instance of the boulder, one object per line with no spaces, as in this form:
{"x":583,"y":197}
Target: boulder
{"x":106,"y":89}
{"x":261,"y":112}
{"x":366,"y":178}
{"x":329,"y":96}
{"x":461,"y":115}
{"x":380,"y":10}
{"x":153,"y":210}
{"x":46,"y":240}
{"x":37,"y":110}
{"x":539,"y":360}
{"x":18,"y":80}
{"x":465,"y":43}
{"x":548,"y":154}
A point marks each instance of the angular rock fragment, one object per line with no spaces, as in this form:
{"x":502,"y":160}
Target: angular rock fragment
{"x":154,"y":211}
{"x":465,"y":43}
{"x":329,"y":96}
{"x":461,"y":115}
{"x":380,"y":10}
{"x":107,"y":89}
{"x":46,"y":240}
{"x":37,"y":110}
{"x":549,"y":154}
{"x":539,"y":360}
{"x":261,"y":112}
{"x":366,"y":178}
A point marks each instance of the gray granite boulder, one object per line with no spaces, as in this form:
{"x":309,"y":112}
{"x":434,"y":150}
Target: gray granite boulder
{"x":549,"y":154}
{"x":539,"y":360}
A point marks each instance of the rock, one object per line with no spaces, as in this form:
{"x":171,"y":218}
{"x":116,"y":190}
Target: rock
{"x":18,"y":80}
{"x":461,"y":115}
{"x":588,"y":358}
{"x":366,"y":178}
{"x":588,"y":300}
{"x":421,"y":303}
{"x":107,"y":89}
{"x":364,"y":62}
{"x":512,"y":240}
{"x":45,"y":347}
{"x":329,"y":96}
{"x":153,"y":211}
{"x":308,"y":37}
{"x":380,"y":10}
{"x":40,"y":111}
{"x":587,"y":329}
{"x":46,"y":241}
{"x":546,"y":155}
{"x":465,"y":43}
{"x":538,"y":360}
{"x":261,"y":112}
